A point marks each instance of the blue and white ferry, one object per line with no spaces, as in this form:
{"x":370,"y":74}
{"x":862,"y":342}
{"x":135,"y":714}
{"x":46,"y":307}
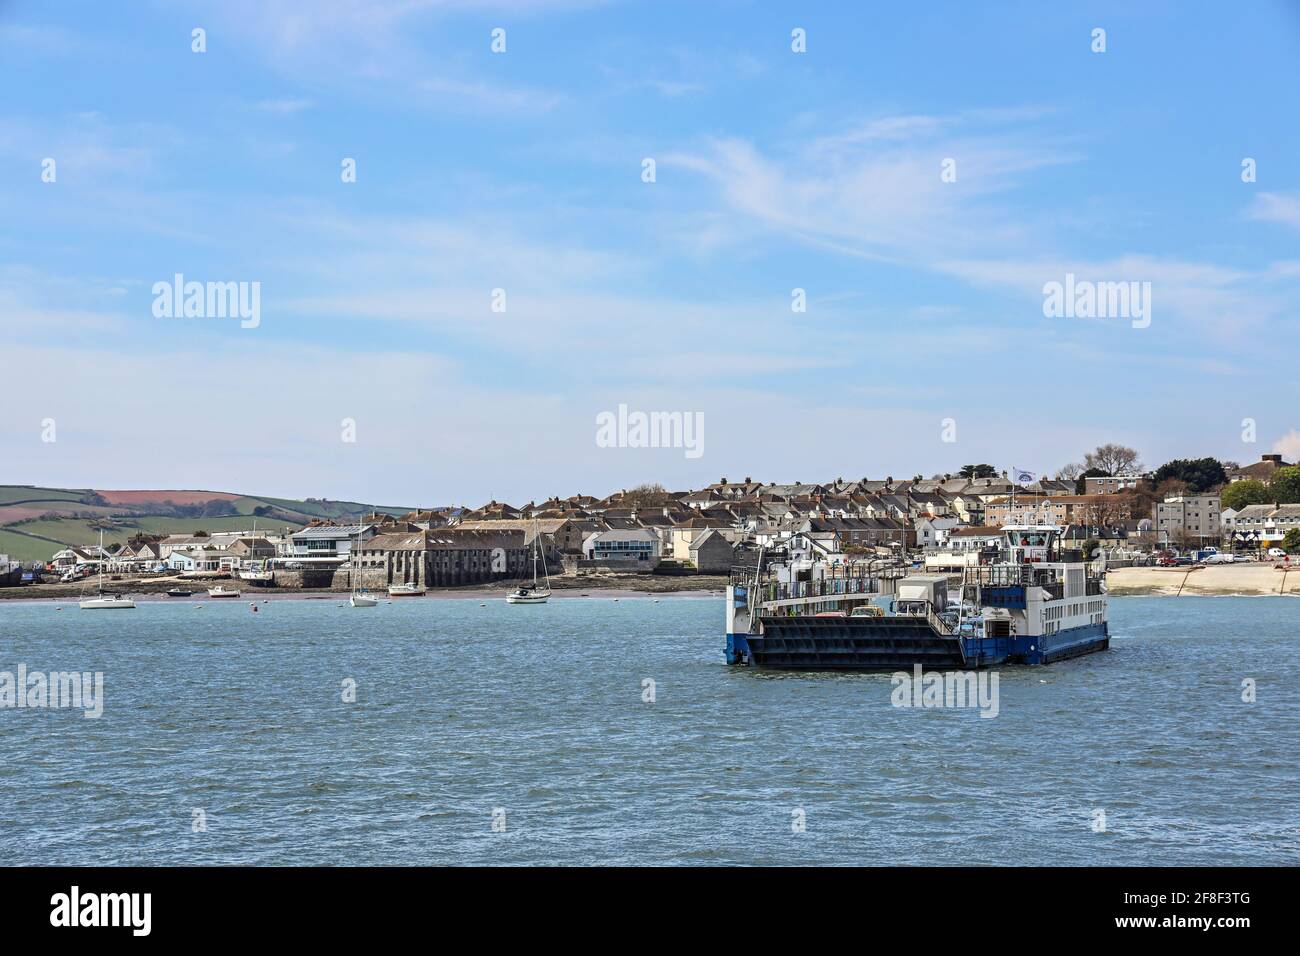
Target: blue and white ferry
{"x":1034,"y":603}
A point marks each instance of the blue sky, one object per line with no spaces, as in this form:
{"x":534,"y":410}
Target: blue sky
{"x":522,"y":171}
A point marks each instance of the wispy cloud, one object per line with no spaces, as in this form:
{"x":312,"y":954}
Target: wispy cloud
{"x":875,"y":189}
{"x":1276,"y":207}
{"x":285,"y":105}
{"x":489,"y":96}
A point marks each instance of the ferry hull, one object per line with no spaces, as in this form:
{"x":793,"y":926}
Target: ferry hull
{"x":894,"y":643}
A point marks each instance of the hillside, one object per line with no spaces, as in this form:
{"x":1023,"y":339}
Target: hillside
{"x":35,"y":522}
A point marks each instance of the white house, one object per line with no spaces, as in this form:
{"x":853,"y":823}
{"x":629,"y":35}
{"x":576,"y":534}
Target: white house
{"x":328,"y":543}
{"x":623,"y":546}
{"x":932,"y":533}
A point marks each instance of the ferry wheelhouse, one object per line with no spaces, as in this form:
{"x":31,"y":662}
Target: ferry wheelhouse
{"x":1035,"y":603}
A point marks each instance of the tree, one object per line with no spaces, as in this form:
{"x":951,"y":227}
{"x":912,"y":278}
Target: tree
{"x":1171,"y":486}
{"x":1236,"y":495}
{"x":978,"y":471}
{"x":642,"y":495}
{"x":1113,"y":460}
{"x":1069,"y":472}
{"x":1199,"y":474}
{"x":1105,"y":511}
{"x":1134,"y":503}
{"x":1284,"y":488}
{"x":1291,"y":541}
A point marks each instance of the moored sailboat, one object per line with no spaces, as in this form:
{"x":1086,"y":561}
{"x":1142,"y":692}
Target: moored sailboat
{"x":536,"y":594}
{"x":359,"y":597}
{"x":102,"y":601}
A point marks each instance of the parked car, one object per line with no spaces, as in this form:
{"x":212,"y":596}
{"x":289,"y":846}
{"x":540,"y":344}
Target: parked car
{"x":1220,"y":558}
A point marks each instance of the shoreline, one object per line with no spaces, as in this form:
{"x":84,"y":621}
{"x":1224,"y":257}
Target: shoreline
{"x":1224,"y":580}
{"x":630,"y":586}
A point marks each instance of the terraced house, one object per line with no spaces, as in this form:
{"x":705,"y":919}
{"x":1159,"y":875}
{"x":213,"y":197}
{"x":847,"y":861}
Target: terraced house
{"x":1265,"y":525}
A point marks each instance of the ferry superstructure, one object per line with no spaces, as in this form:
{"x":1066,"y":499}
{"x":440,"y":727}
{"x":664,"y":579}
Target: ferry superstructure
{"x":1035,"y":603}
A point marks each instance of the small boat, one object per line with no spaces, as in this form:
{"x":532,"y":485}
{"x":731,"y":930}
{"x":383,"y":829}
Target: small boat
{"x":527,"y":595}
{"x":102,"y":601}
{"x":534,"y":593}
{"x":360,"y":597}
{"x":405,"y":590}
{"x":221,"y":591}
{"x":178,"y":592}
{"x":106,"y":602}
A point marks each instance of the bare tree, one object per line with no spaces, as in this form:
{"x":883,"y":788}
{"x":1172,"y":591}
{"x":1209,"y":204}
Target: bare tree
{"x":1069,"y":472}
{"x":1113,"y":459}
{"x":643,"y":495}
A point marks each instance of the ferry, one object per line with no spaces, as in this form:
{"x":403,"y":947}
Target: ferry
{"x":1034,"y":603}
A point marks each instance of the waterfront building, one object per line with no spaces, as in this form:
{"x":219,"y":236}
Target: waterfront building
{"x":1188,"y":519}
{"x":442,"y":557}
{"x":324,"y":543}
{"x":633,"y":548}
{"x":1263,"y":525}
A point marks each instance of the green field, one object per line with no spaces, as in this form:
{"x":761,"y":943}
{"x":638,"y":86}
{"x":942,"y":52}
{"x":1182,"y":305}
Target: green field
{"x":20,"y":548}
{"x":332,"y":509}
{"x":77,"y":531}
{"x":13,"y":493}
{"x":74,"y":531}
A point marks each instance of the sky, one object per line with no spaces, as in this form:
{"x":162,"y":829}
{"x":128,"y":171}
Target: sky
{"x":451,"y":326}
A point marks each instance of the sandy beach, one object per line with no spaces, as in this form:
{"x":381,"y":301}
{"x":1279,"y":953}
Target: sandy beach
{"x":1254,"y":578}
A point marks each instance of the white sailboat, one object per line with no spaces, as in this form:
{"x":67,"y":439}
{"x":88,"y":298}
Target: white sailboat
{"x":360,"y":597}
{"x":102,"y":601}
{"x":254,"y":570}
{"x":536,"y":594}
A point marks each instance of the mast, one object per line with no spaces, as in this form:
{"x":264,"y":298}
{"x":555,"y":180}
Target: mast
{"x":546,"y":574}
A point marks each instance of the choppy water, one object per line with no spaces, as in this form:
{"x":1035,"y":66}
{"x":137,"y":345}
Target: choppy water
{"x":462,"y":709}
